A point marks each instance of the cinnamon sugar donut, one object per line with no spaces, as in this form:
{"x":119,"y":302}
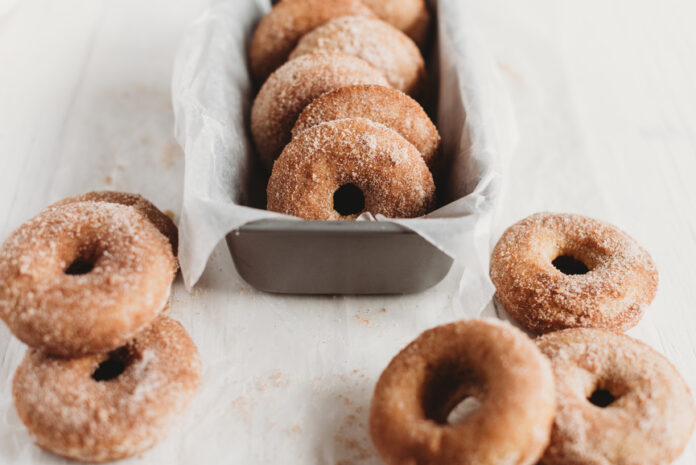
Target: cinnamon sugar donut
{"x":163,"y":222}
{"x":380,"y":44}
{"x":619,"y":401}
{"x":84,"y":278}
{"x":555,"y":271}
{"x":410,"y":16}
{"x":109,"y":406}
{"x":292,"y":87}
{"x":338,"y":169}
{"x":384,"y":105}
{"x":278,"y":31}
{"x":490,"y":361}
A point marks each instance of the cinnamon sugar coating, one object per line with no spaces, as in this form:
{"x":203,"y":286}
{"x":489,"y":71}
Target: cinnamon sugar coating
{"x":651,"y":418}
{"x":71,"y":414}
{"x":387,"y":169}
{"x":621,"y":281}
{"x":84,"y":278}
{"x":295,"y":85}
{"x":386,"y":48}
{"x":410,"y":16}
{"x":489,"y":360}
{"x":165,"y":224}
{"x":279,"y":31}
{"x":384,"y":105}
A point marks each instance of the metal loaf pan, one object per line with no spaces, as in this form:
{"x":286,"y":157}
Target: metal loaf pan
{"x":335,"y":257}
{"x":340,"y":257}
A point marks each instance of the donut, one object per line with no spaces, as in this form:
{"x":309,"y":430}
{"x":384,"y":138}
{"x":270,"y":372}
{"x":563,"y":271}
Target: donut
{"x":380,"y":44}
{"x":410,"y":16}
{"x":339,"y":169}
{"x":292,"y":87}
{"x":84,"y":278}
{"x":161,"y":221}
{"x":555,"y":271}
{"x":619,"y":401}
{"x":492,"y":362}
{"x":108,"y":406}
{"x":278,"y":32}
{"x":384,"y":105}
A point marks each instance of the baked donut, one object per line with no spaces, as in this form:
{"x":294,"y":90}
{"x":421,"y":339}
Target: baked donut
{"x":278,"y":31}
{"x":490,"y":361}
{"x":292,"y":87}
{"x":84,"y":278}
{"x":554,"y":271}
{"x":410,"y":16}
{"x":384,"y":105}
{"x":380,"y":44}
{"x":108,"y":406}
{"x":163,"y":222}
{"x":619,"y":401}
{"x":338,"y":169}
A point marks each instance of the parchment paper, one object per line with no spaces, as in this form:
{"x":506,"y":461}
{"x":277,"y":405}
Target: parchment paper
{"x":224,"y":181}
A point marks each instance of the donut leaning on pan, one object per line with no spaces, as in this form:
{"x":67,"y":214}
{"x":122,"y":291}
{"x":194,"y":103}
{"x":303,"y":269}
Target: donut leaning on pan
{"x":278,"y":32}
{"x":339,"y":169}
{"x":410,"y":16}
{"x":380,"y":44}
{"x":384,"y":105}
{"x":295,"y":85}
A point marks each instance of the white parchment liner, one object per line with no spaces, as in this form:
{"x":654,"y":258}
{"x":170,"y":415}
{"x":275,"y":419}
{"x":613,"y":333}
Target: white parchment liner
{"x":212,"y":93}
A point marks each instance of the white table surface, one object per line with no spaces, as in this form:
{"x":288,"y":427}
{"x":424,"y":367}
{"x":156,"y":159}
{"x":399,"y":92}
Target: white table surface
{"x":605,"y":97}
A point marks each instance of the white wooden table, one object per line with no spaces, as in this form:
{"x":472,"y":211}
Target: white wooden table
{"x":605,"y":97}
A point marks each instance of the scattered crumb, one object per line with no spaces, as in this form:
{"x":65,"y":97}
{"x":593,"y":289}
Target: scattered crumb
{"x":171,"y":154}
{"x":294,"y":429}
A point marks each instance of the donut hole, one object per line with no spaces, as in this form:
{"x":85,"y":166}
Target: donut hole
{"x":113,"y":366}
{"x":79,"y":267}
{"x":601,"y":398}
{"x":84,"y":262}
{"x":451,"y":396}
{"x":567,"y":264}
{"x":349,"y":200}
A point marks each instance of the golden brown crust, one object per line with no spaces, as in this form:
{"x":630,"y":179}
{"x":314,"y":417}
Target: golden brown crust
{"x":650,"y":420}
{"x":387,"y":169}
{"x":71,"y":414}
{"x":279,"y":31}
{"x":621,"y":282}
{"x":67,"y":314}
{"x":386,"y":48}
{"x":295,"y":85}
{"x":384,"y":105}
{"x":410,"y":16}
{"x":489,"y":360}
{"x":163,"y":222}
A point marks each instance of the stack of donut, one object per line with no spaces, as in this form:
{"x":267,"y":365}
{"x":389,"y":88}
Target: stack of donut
{"x":84,"y":285}
{"x":581,"y":394}
{"x":335,"y":119}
